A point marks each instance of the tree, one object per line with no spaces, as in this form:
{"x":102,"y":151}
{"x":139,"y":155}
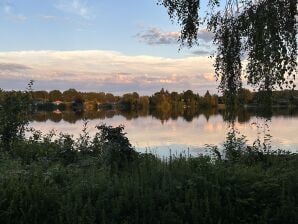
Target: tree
{"x":207,"y":99}
{"x":175,"y":96}
{"x":55,"y":95}
{"x":188,"y":96}
{"x":116,"y":148}
{"x":130,"y":100}
{"x":40,"y":95}
{"x":161,"y":100}
{"x":109,"y":97}
{"x":69,"y":95}
{"x":101,"y":97}
{"x":263,"y":32}
{"x":14,"y":110}
{"x":244,"y":96}
{"x":144,"y":102}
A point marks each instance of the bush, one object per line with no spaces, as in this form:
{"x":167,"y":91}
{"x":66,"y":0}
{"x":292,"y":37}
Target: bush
{"x":13,"y":117}
{"x":116,"y":150}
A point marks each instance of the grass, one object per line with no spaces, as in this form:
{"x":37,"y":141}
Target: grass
{"x":45,"y":188}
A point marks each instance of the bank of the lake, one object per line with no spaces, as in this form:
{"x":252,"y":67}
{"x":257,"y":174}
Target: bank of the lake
{"x":49,"y":189}
{"x":189,"y":132}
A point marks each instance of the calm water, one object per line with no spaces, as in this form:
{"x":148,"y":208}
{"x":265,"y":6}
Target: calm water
{"x":189,"y":132}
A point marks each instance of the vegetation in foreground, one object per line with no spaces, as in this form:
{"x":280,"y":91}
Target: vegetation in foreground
{"x":43,"y":181}
{"x":58,"y":179}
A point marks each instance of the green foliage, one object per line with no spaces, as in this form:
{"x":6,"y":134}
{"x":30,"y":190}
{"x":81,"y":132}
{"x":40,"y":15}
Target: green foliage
{"x":13,"y":117}
{"x":167,"y":102}
{"x":79,"y":101}
{"x":263,"y":31}
{"x":69,"y":95}
{"x":228,"y":60}
{"x":42,"y":95}
{"x":187,"y":14}
{"x":234,"y":146}
{"x":244,"y":97}
{"x":270,"y":28}
{"x":55,"y":95}
{"x":116,"y":150}
{"x":132,"y":101}
{"x":147,"y":190}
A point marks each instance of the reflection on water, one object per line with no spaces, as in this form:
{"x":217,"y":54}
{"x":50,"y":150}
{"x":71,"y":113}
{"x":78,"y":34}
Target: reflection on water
{"x":180,"y":131}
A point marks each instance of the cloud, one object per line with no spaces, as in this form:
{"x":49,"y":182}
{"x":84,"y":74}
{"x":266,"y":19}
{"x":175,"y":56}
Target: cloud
{"x":155,"y":36}
{"x":205,"y":35}
{"x":10,"y":11}
{"x":12,"y":67}
{"x":77,"y":7}
{"x":201,"y":52}
{"x":109,"y":71}
{"x":18,"y":18}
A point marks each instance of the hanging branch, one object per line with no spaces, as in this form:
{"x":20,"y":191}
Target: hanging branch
{"x":262,"y":32}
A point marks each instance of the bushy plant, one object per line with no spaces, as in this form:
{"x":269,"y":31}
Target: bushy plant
{"x":116,"y":150}
{"x":13,"y":117}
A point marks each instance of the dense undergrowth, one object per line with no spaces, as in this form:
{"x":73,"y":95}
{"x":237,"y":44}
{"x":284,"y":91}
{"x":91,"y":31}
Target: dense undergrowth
{"x":102,"y":179}
{"x":47,"y":180}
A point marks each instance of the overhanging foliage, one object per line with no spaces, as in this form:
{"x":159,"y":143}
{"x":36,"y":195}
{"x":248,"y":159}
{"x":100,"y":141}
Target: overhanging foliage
{"x":263,"y":32}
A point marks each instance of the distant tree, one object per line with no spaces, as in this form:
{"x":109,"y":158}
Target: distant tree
{"x":78,"y":99}
{"x":144,"y":102}
{"x":55,"y":95}
{"x":135,"y":95}
{"x":214,"y":100}
{"x":130,"y":100}
{"x":161,"y":100}
{"x":244,"y":96}
{"x":40,"y":95}
{"x":175,"y":96}
{"x":109,"y":97}
{"x":188,"y":96}
{"x":207,"y":98}
{"x":207,"y":95}
{"x":69,"y":95}
{"x":89,"y":96}
{"x":101,"y":97}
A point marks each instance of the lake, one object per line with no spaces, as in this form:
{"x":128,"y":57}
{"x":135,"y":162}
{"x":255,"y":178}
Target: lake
{"x":168,"y":132}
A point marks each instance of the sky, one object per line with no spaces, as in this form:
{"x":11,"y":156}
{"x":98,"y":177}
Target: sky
{"x":99,"y":45}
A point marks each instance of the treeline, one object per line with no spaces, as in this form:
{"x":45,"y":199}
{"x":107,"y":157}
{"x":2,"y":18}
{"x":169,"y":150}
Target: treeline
{"x":71,"y":95}
{"x":131,"y":101}
{"x":165,"y":99}
{"x":244,"y":96}
{"x":162,"y":100}
{"x":276,"y":98}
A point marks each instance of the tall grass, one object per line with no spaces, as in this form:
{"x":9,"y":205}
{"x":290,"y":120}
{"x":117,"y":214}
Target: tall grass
{"x":44,"y":182}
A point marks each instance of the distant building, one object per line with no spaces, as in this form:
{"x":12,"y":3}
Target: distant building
{"x":57,"y":102}
{"x":57,"y":111}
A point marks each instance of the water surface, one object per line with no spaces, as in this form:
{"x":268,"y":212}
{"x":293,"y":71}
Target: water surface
{"x":189,"y":132}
